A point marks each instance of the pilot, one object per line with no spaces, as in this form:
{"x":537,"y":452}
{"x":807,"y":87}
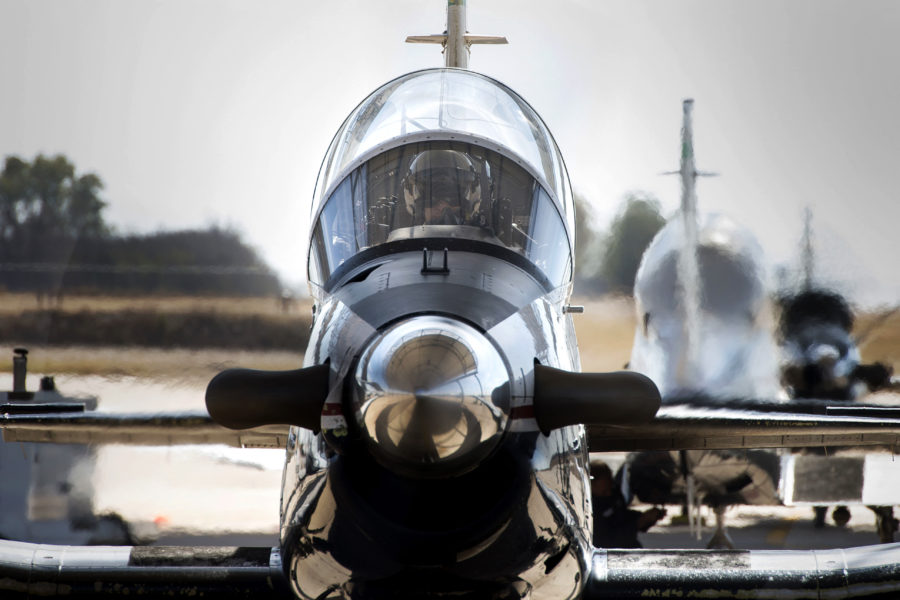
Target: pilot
{"x":443,"y":187}
{"x":616,"y":525}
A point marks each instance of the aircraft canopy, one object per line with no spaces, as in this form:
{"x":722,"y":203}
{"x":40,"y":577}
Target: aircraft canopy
{"x":443,"y":153}
{"x":446,"y":190}
{"x":447,"y":104}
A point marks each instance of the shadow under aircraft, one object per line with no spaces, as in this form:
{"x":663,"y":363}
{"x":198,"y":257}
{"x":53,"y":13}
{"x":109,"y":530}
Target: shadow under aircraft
{"x":437,"y":435}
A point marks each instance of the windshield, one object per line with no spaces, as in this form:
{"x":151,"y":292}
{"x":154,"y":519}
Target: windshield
{"x":730,"y":265}
{"x":447,"y":104}
{"x":440,"y":190}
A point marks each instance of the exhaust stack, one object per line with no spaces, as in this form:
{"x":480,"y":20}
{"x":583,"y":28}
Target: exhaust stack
{"x":20,"y":369}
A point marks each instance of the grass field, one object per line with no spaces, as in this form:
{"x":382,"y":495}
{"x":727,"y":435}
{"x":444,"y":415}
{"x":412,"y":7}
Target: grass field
{"x":605,"y":332}
{"x":883,"y":343}
{"x":11,"y":304}
{"x":180,"y":366}
{"x":605,"y":335}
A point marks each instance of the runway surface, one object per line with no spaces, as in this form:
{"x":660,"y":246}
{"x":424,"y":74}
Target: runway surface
{"x":769,"y":527}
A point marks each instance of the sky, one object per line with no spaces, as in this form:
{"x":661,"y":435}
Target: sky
{"x":201,"y":112}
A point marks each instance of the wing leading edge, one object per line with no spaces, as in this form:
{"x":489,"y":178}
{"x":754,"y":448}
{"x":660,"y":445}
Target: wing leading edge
{"x":867,"y":571}
{"x":40,"y":571}
{"x":685,"y":427}
{"x":148,"y":429}
{"x":675,"y":427}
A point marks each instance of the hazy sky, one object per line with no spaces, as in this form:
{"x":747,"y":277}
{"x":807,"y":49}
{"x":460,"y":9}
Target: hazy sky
{"x":197,"y":112}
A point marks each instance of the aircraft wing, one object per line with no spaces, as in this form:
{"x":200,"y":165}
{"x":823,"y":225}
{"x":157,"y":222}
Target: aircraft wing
{"x":146,"y":429}
{"x":692,"y":427}
{"x":867,"y":571}
{"x":675,"y":427}
{"x":40,"y":570}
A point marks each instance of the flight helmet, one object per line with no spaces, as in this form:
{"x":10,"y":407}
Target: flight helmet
{"x":442,"y":187}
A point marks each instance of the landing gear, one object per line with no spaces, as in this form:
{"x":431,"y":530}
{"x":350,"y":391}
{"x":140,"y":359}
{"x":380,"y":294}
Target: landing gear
{"x":885,"y":523}
{"x":819,"y":519}
{"x":720,"y":539}
{"x":840,"y":515}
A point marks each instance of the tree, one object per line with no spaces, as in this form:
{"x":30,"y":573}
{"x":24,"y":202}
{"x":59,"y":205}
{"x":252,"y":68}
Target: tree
{"x":629,"y":235}
{"x":14,"y":191}
{"x":587,"y":248}
{"x":44,"y":204}
{"x":53,"y":238}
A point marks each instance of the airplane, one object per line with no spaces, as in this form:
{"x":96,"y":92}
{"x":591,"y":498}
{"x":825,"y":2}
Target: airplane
{"x":705,"y":336}
{"x":701,"y":301}
{"x":437,"y":434}
{"x":47,"y":494}
{"x":820,"y":358}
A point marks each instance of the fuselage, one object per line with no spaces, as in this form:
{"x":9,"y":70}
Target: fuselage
{"x":820,"y":357}
{"x":440,"y":265}
{"x":729,"y":350}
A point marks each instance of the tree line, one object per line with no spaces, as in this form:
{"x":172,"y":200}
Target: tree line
{"x":54,"y":239}
{"x":608,"y":262}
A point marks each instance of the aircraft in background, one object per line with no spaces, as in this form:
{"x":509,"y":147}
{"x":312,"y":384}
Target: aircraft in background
{"x":705,"y":336}
{"x":820,"y":352}
{"x":702,"y":305}
{"x":47,"y":494}
{"x":820,"y":358}
{"x":437,"y":435}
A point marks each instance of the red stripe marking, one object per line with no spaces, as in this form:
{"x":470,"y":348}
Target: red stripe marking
{"x":522,"y":412}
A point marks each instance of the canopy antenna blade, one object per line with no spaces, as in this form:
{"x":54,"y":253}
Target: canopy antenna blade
{"x":455,"y":40}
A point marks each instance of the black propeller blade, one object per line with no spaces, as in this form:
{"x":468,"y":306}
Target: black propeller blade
{"x":565,"y":398}
{"x":245,"y":398}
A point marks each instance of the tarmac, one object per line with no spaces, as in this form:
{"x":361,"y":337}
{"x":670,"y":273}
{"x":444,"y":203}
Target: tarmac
{"x":767,"y":528}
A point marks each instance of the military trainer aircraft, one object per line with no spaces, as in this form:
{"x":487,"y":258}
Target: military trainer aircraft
{"x":821,"y":359}
{"x":437,"y":435}
{"x":705,"y":335}
{"x":820,"y":351}
{"x":702,"y":301}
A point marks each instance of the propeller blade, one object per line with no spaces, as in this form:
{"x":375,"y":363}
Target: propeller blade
{"x":564,"y":398}
{"x":245,"y":398}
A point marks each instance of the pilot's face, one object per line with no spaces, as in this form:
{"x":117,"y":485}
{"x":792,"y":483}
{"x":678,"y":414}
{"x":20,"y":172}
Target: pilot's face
{"x":443,"y":187}
{"x":452,"y":197}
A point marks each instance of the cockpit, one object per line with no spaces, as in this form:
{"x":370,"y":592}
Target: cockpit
{"x":444,"y":155}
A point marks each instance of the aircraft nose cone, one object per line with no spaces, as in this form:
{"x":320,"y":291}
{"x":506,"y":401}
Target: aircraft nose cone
{"x":825,"y":355}
{"x":432,"y":397}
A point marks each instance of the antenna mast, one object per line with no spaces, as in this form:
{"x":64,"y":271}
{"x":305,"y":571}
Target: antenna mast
{"x":688,"y":259}
{"x":456,"y":40}
{"x":807,"y":250}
